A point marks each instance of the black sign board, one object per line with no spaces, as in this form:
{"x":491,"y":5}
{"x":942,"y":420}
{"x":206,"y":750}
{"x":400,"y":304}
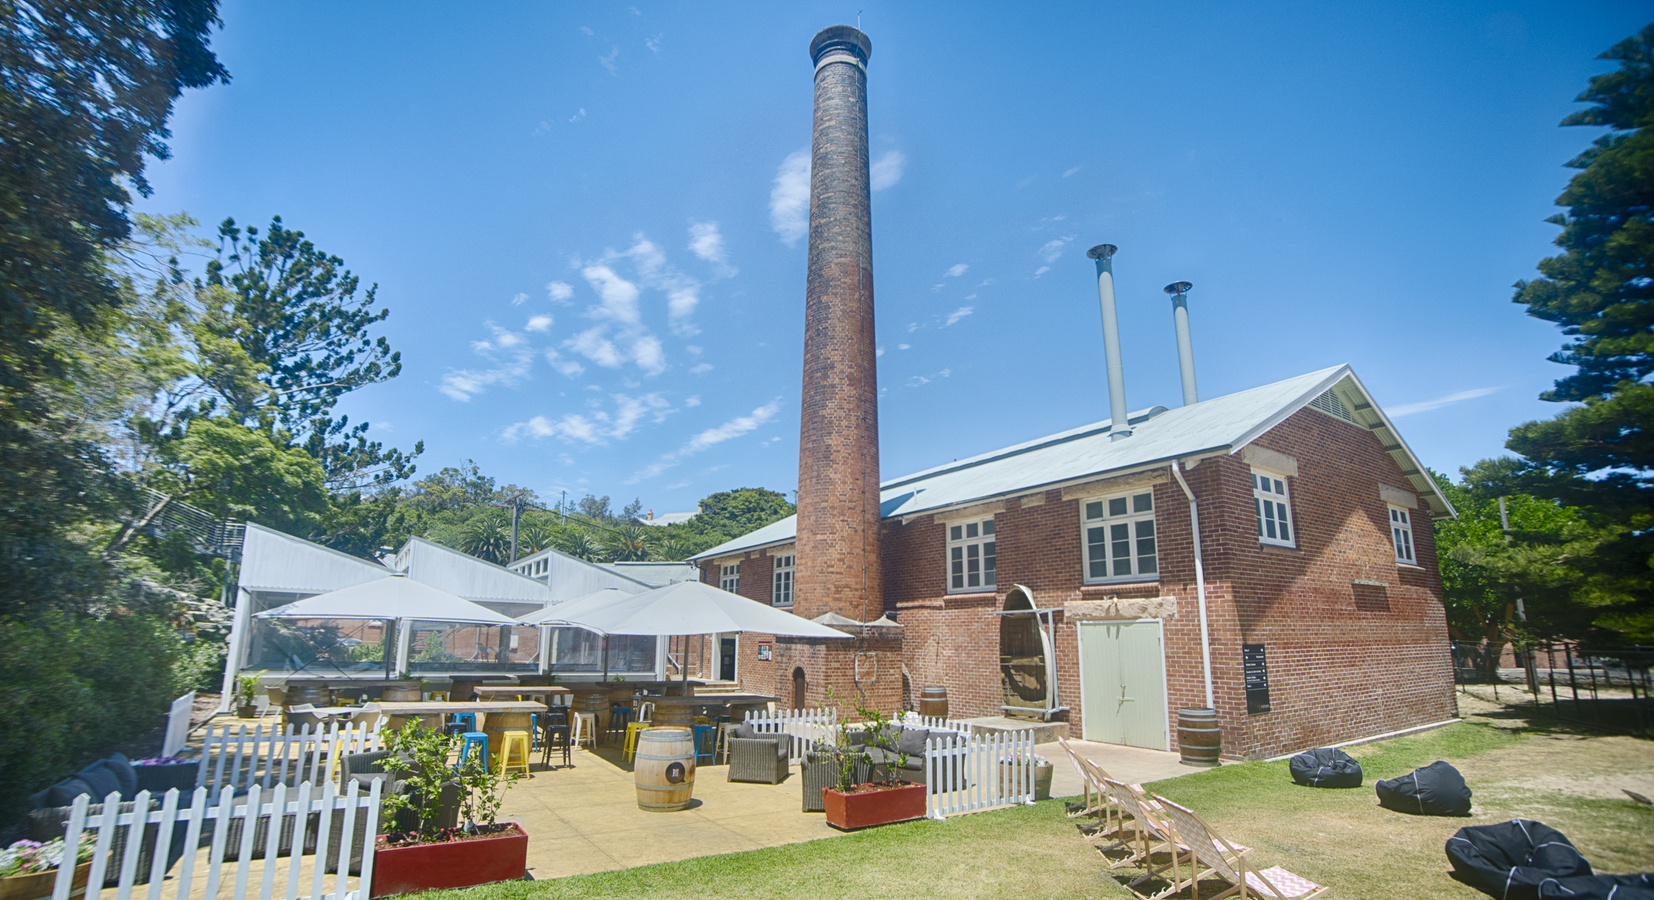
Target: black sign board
{"x":1256,"y":672}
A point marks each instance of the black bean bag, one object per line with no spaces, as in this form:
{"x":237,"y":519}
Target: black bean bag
{"x":1526,"y":860}
{"x":1511,"y":859}
{"x":1434,"y":790}
{"x":1326,"y":767}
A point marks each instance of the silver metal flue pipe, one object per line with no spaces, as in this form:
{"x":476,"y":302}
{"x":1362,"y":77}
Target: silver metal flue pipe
{"x":1185,"y":348}
{"x":1118,"y":427}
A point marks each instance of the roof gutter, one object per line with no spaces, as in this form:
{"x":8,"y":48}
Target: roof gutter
{"x":1200,"y":581}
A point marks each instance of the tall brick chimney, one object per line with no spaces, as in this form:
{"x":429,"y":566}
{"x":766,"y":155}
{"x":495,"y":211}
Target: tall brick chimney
{"x":837,"y":560}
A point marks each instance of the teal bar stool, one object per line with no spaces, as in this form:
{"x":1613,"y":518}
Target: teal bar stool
{"x":475,"y":739}
{"x":703,"y":736}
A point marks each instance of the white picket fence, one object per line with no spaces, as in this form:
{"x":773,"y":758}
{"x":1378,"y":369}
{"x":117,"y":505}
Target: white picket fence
{"x":236,"y":757}
{"x":807,"y":727}
{"x":312,"y":813}
{"x":976,"y":771}
{"x":178,"y":725}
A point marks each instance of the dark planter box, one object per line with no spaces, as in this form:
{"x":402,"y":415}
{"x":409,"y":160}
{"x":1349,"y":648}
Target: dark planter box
{"x":160,"y":779}
{"x":450,"y":864}
{"x":874,"y":804}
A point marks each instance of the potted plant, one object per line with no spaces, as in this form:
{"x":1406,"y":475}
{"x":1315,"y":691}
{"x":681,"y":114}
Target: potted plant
{"x":28,"y":870}
{"x":159,"y":774}
{"x":1042,"y":773}
{"x":877,"y":802}
{"x":246,"y":696}
{"x":422,"y":851}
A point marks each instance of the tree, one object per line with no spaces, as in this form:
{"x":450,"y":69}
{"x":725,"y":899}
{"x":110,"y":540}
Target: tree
{"x":295,"y":314}
{"x":237,"y":472}
{"x":1599,"y":457}
{"x":742,"y":510}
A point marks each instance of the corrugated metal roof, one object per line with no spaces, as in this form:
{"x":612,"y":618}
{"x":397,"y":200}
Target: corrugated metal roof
{"x":1220,"y":425}
{"x":656,"y":574}
{"x":274,"y":561}
{"x":466,"y":576}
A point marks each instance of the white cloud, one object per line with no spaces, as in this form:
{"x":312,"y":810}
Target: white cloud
{"x":918,"y":380}
{"x":559,"y":292}
{"x":958,"y":314}
{"x":587,"y":30}
{"x":463,"y":384}
{"x":693,"y":350}
{"x":887,"y":170}
{"x":617,"y":295}
{"x":706,"y":242}
{"x":609,"y":60}
{"x":1041,"y":271}
{"x":1071,"y":171}
{"x":913,"y":326}
{"x":538,"y":323}
{"x":790,"y":198}
{"x":647,"y":353}
{"x":566,"y":367}
{"x":598,"y":428}
{"x":904,"y":346}
{"x":653,"y":44}
{"x":579,"y":115}
{"x":503,"y":340}
{"x":709,"y":438}
{"x":1407,"y":409}
{"x":693,"y":402}
{"x":878,"y":352}
{"x":1053,"y":248}
{"x":698,"y":368}
{"x":956,"y":270}
{"x":519,"y":300}
{"x":594,"y":344}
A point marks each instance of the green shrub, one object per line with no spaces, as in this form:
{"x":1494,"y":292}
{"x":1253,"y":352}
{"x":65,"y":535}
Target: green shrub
{"x":74,"y":687}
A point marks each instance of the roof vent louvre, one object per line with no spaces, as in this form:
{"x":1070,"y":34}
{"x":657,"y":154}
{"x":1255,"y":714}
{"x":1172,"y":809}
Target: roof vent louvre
{"x":1332,"y":406}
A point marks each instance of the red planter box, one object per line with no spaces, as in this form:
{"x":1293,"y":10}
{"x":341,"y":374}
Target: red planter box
{"x":450,"y":864}
{"x":874,"y":804}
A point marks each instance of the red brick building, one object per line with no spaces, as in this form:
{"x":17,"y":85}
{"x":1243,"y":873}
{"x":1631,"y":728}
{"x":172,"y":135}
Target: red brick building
{"x":1057,"y":579}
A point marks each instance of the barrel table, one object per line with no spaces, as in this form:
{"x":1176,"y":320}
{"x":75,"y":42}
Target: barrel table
{"x":498,"y":723}
{"x":1199,"y":740}
{"x":595,"y":702}
{"x":664,"y":770}
{"x":313,"y":693}
{"x":401,"y":695}
{"x":933,"y":702}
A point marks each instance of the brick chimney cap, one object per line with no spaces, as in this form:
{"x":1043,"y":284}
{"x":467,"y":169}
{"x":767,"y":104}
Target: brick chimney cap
{"x":841,"y":37}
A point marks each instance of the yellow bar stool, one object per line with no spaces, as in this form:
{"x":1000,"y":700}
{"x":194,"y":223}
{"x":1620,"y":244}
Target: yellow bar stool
{"x":646,"y":712}
{"x":514,"y":740}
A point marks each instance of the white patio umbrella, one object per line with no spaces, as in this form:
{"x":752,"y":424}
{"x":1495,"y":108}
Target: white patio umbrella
{"x":395,"y":597}
{"x":690,"y":608}
{"x":583,"y":603}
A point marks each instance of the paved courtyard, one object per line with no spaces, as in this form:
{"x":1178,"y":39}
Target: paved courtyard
{"x":585,"y":818}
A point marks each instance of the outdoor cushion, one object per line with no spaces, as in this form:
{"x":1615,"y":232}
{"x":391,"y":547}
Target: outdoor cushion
{"x":100,"y":780}
{"x":880,"y":757}
{"x":912,"y":742}
{"x":745,"y":732}
{"x":1599,"y":887}
{"x":1326,"y":767}
{"x":1434,"y":790}
{"x":124,"y":776}
{"x":1512,"y":858}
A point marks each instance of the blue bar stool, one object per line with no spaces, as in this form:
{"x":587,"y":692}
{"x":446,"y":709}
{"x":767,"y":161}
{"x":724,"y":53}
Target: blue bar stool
{"x":703,"y":735}
{"x":461,"y":723}
{"x":619,"y":718}
{"x":475,"y":739}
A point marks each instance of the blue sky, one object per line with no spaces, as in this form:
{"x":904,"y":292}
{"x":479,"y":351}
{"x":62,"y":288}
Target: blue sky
{"x":586,"y":220}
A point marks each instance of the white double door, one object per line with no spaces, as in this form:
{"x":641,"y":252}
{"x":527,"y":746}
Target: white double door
{"x":1123,"y":683}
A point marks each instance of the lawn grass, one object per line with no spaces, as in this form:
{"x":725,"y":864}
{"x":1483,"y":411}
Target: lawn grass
{"x":1024,"y":852}
{"x":1567,"y":778}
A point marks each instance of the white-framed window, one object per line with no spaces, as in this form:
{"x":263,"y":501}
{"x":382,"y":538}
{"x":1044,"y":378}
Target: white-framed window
{"x":783,"y":592}
{"x":1119,"y":538}
{"x":729,"y":578}
{"x":972,"y":561}
{"x":1273,"y":507}
{"x":1401,"y":534}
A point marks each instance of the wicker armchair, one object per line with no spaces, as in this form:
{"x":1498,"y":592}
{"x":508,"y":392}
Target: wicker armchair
{"x":761,"y":759}
{"x":820,"y":770}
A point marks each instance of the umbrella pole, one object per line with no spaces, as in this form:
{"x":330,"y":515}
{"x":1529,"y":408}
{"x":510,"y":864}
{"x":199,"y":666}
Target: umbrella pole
{"x":605,"y":659}
{"x":388,"y":649}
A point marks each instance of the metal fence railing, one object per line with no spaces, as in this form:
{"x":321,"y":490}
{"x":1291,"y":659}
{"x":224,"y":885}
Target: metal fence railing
{"x":1604,"y":687}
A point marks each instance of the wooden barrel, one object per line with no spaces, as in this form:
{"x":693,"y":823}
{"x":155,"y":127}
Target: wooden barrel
{"x":498,"y":723}
{"x":1199,"y":740}
{"x":933,"y":702}
{"x":401,"y":695}
{"x":314,"y":693}
{"x":595,"y":702}
{"x":675,"y":715}
{"x":664,"y":770}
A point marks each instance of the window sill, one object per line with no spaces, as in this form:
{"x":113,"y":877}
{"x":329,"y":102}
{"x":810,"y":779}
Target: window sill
{"x":992,"y":593}
{"x":1281,"y":547}
{"x":1408,"y":565}
{"x":1096,"y":586}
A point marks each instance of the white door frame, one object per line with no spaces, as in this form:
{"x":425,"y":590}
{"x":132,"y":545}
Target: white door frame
{"x":1165,"y":697}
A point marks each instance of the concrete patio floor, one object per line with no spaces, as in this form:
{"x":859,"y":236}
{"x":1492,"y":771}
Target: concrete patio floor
{"x":585,"y":818}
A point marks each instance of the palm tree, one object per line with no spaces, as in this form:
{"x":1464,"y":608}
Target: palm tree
{"x":672,"y":550}
{"x":578,"y":543}
{"x":488,"y":536}
{"x":629,"y":543}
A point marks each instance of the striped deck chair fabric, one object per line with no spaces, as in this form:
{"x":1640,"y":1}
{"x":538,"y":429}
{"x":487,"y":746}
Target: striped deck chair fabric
{"x":1229,"y":861}
{"x":1149,"y":836}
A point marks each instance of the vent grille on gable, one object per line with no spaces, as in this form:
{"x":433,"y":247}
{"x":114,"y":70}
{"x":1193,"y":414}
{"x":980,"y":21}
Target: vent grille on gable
{"x":1332,"y":406}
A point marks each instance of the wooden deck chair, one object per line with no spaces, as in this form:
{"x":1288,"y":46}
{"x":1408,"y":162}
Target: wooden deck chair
{"x":1229,"y":861}
{"x":1096,"y":800}
{"x":1146,"y":836}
